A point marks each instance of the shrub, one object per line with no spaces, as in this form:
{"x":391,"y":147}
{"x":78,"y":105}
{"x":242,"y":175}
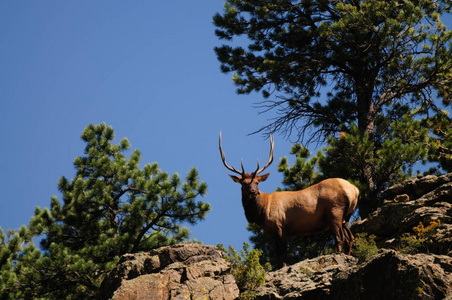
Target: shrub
{"x":364,"y":247}
{"x":421,"y":240}
{"x":246,"y":269}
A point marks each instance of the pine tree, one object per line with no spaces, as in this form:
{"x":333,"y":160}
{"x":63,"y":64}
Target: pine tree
{"x":442,"y":128}
{"x":111,"y":207}
{"x":15,"y":246}
{"x":331,"y":67}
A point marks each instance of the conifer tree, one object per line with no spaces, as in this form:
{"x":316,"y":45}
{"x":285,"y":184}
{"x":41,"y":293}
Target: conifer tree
{"x":442,"y":128}
{"x":353,"y":68}
{"x":15,"y":245}
{"x":111,"y":207}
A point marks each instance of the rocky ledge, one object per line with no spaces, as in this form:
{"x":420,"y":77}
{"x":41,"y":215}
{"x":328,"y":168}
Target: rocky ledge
{"x":192,"y":271}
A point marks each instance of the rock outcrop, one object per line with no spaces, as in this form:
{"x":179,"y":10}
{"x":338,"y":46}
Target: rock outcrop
{"x":418,"y":200}
{"x":193,"y":271}
{"x":308,"y":279}
{"x":389,"y":275}
{"x":184,"y":271}
{"x":392,"y":275}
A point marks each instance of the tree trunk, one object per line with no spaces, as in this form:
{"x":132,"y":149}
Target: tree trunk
{"x":366,"y":125}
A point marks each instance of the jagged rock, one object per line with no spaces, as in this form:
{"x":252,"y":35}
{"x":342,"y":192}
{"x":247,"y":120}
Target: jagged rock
{"x":310,"y":278}
{"x":430,"y":199}
{"x":417,"y":187}
{"x":389,"y":275}
{"x":392,"y":275}
{"x":184,"y":271}
{"x":423,"y":191}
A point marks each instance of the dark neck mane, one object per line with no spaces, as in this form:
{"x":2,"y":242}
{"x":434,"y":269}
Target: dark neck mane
{"x":253,"y":209}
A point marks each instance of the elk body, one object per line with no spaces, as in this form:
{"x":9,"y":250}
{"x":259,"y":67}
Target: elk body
{"x":327,"y":205}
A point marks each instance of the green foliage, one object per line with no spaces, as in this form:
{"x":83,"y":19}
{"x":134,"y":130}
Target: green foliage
{"x":303,"y":172}
{"x":246,"y":269}
{"x":383,"y":46}
{"x":364,"y":247}
{"x":14,"y":246}
{"x":111,"y":207}
{"x":441,"y":127}
{"x":392,"y":158}
{"x":421,"y":240}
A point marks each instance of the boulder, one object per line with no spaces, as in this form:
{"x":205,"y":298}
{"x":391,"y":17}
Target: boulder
{"x":183,"y":271}
{"x":308,"y":279}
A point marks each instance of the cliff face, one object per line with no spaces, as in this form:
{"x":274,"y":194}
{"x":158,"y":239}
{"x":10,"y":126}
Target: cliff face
{"x":192,"y":271}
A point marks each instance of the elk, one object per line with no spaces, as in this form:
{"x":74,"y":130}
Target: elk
{"x":327,"y":205}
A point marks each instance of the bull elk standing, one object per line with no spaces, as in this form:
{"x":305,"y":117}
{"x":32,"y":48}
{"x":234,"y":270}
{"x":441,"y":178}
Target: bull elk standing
{"x":327,"y":205}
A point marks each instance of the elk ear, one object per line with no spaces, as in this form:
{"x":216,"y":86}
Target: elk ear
{"x":263,"y":177}
{"x":235,"y":178}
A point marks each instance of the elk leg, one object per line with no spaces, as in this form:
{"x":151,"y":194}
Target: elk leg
{"x":345,"y":234}
{"x":338,"y":238}
{"x":334,"y":218}
{"x":281,"y":251}
{"x":350,"y":237}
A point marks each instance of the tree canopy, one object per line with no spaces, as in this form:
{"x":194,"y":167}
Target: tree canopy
{"x":111,"y":207}
{"x":369,"y":76}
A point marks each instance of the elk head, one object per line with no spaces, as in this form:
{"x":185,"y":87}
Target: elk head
{"x":249,"y":182}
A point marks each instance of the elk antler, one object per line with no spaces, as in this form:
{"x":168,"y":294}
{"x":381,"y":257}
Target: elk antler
{"x":226,"y":165}
{"x":270,"y":159}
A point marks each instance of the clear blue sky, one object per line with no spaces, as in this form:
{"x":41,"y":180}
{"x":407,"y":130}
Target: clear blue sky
{"x":148,"y":69}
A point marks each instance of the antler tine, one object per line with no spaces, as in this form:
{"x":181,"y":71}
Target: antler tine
{"x":243,"y":169}
{"x":255,"y":172}
{"x":232,"y":169}
{"x":270,"y":159}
